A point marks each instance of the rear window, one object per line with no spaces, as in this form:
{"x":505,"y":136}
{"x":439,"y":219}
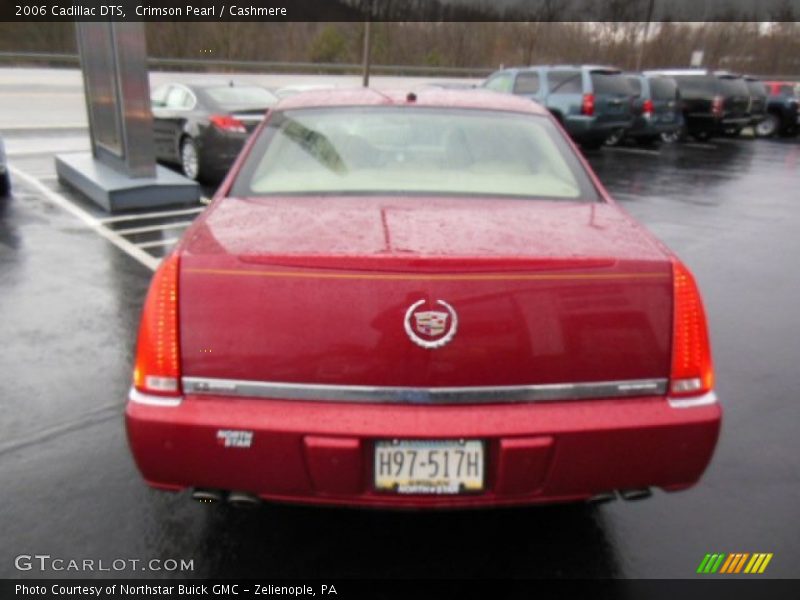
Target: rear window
{"x":240,"y":97}
{"x":696,"y":85}
{"x":526,"y":83}
{"x":610,"y":83}
{"x":420,"y":150}
{"x":663,"y":88}
{"x":565,"y":82}
{"x":635,"y":84}
{"x":733,"y":86}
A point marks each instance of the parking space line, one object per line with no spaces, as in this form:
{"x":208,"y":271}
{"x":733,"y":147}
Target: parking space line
{"x":157,"y":243}
{"x":152,"y":215}
{"x":77,"y":423}
{"x":129,"y":248}
{"x":149,"y":228}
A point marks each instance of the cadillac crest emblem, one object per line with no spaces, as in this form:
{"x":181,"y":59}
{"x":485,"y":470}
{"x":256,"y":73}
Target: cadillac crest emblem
{"x":431,"y":328}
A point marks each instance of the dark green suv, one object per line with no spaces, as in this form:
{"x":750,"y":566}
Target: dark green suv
{"x":591,"y":102}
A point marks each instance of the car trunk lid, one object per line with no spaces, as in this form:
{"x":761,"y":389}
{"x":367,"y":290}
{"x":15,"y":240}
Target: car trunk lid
{"x":321,"y":290}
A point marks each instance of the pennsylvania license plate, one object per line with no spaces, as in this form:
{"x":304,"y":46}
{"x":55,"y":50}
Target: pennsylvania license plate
{"x":429,"y":466}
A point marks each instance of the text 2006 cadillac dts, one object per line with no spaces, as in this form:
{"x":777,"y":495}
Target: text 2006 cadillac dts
{"x":419,"y":300}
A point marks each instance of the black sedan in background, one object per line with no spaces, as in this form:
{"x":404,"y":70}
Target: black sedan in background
{"x":202,"y":128}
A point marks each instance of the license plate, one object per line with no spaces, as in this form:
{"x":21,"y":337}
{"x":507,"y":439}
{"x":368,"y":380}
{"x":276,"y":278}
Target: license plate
{"x":429,"y":466}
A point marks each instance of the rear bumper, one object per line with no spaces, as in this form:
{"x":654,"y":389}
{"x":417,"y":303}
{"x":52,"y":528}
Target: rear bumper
{"x":736,"y":122}
{"x":644,"y":127}
{"x":587,"y":129}
{"x":321,"y":453}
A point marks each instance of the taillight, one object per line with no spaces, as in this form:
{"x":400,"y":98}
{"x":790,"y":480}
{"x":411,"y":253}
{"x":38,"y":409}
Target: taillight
{"x":227,"y":123}
{"x":692,"y":371}
{"x":716,"y":106}
{"x":648,"y":109}
{"x":157,"y":368}
{"x":587,"y":105}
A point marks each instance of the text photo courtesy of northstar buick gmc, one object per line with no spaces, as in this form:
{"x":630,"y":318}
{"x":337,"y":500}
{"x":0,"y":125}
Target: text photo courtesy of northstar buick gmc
{"x":424,"y":300}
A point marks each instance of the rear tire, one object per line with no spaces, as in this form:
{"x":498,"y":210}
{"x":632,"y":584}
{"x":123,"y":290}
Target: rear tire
{"x":616,"y":137}
{"x":678,"y":135}
{"x":190,"y":159}
{"x":768,"y":127}
{"x":670,"y":137}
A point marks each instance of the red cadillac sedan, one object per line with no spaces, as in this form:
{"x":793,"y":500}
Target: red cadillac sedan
{"x":419,"y":300}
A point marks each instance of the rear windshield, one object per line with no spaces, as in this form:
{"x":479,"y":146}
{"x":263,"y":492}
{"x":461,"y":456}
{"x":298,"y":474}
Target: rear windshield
{"x":663,"y":88}
{"x":241,"y":97}
{"x":733,"y":86}
{"x":756,"y":88}
{"x":419,"y":150}
{"x":696,"y":85}
{"x":610,"y":83}
{"x":635,"y":84}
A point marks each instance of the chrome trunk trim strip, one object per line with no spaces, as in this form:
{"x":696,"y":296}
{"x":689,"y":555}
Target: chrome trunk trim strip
{"x":435,"y":395}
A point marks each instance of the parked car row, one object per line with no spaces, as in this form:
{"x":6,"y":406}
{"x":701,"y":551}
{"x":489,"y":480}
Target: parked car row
{"x":598,"y":105}
{"x":202,"y":127}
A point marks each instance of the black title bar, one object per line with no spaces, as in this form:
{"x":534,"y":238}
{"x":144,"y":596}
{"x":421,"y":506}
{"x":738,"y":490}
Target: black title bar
{"x":400,"y":10}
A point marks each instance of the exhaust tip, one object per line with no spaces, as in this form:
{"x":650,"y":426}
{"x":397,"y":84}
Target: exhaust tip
{"x":207,"y":496}
{"x":603,"y":497}
{"x":636,"y":494}
{"x":243,"y":500}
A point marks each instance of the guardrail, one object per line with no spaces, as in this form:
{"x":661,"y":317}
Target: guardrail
{"x":263,"y":66}
{"x":190,"y":64}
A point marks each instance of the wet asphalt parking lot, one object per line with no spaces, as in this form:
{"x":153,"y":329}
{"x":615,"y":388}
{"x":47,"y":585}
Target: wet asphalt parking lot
{"x":69,"y":307}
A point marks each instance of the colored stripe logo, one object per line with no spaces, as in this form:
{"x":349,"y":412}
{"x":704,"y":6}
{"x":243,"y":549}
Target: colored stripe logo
{"x":737,"y":562}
